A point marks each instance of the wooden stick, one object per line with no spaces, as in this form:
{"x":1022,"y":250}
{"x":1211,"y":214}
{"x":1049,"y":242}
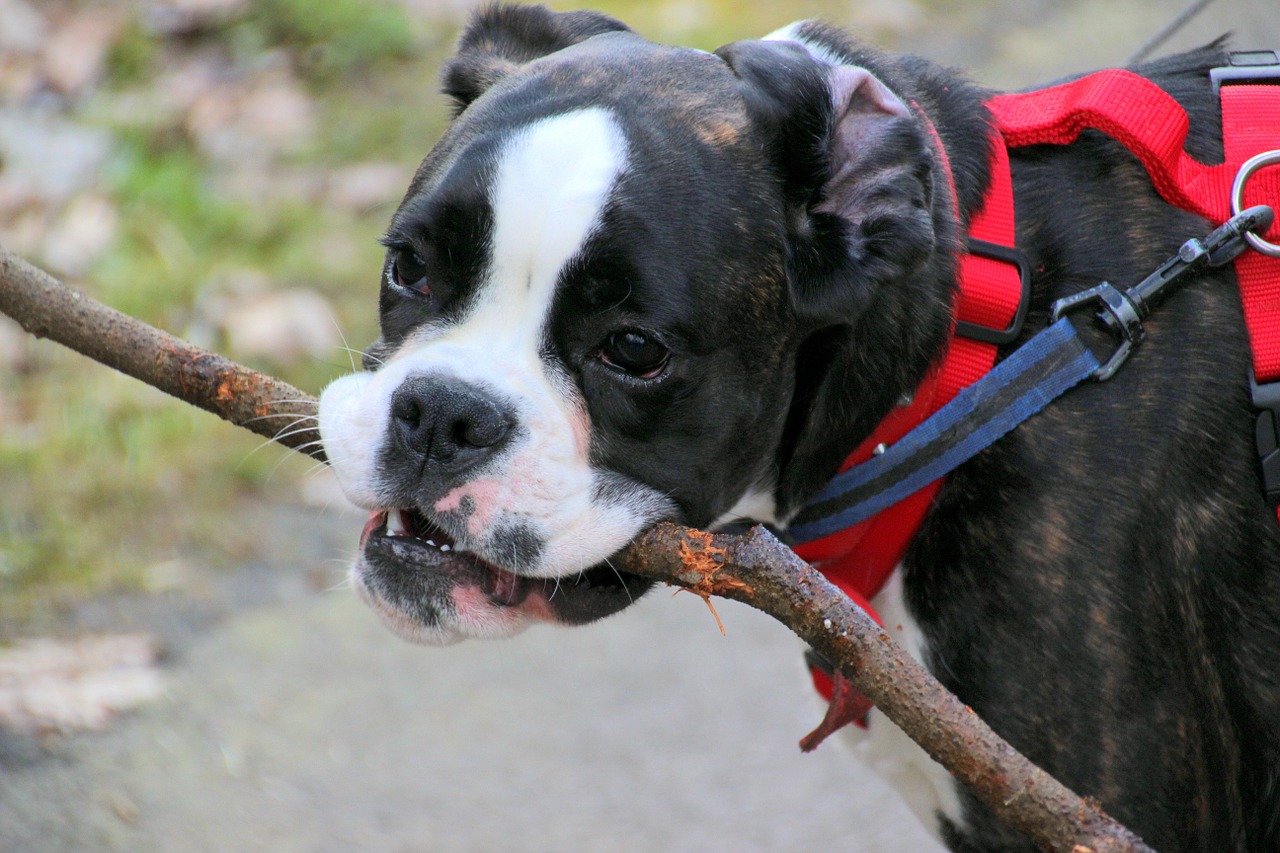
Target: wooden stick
{"x":47,"y":308}
{"x":754,"y":568}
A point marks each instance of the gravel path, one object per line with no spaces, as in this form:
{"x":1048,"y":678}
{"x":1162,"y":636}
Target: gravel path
{"x":303,"y":725}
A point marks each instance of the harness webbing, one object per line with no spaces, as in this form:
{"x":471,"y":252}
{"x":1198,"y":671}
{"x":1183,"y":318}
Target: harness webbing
{"x":1040,"y":371}
{"x":858,"y":545}
{"x":1153,"y":126}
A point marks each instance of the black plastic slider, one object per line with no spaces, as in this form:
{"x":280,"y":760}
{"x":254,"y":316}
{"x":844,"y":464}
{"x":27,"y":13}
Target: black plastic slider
{"x":1266,"y":432}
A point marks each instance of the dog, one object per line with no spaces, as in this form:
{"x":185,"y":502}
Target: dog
{"x":635,"y":282}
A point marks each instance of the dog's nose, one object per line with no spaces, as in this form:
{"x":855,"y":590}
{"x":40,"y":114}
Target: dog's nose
{"x":452,"y":424}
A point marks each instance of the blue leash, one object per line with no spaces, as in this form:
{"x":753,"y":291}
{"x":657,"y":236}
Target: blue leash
{"x":1042,"y":369}
{"x":1035,"y":374}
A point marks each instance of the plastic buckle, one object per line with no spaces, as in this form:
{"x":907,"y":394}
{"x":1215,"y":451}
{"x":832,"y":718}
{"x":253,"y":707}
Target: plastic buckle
{"x":1266,"y":432}
{"x":1124,"y":320}
{"x":1247,"y":66}
{"x":1007,"y":255}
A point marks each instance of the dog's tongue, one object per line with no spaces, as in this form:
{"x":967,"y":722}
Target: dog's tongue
{"x":504,"y":587}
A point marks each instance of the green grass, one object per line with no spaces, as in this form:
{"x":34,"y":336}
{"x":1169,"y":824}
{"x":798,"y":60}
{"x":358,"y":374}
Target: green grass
{"x":106,"y":477}
{"x":336,"y":37}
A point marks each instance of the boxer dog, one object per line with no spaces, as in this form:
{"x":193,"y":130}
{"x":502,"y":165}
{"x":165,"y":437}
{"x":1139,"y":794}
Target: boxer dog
{"x":635,"y":282}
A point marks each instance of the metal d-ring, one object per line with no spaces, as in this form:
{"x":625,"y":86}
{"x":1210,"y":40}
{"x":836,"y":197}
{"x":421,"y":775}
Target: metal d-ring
{"x":1253,"y":164}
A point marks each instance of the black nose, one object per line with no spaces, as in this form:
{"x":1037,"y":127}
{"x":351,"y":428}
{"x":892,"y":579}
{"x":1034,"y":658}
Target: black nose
{"x":453,"y":424}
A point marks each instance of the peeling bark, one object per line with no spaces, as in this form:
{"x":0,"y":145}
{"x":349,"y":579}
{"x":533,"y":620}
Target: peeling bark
{"x":754,"y":567}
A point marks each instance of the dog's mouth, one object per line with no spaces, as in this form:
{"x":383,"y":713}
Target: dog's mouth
{"x":411,"y":527}
{"x":414,"y":567}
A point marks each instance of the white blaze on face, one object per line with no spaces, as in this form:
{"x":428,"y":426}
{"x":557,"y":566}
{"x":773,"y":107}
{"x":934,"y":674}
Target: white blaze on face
{"x":551,"y":184}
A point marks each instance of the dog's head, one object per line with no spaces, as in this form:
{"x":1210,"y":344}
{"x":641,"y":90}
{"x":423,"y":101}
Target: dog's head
{"x":630,"y":283}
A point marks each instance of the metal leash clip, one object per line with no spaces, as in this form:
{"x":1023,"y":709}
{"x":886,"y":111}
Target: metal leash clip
{"x":1247,"y":168}
{"x":1122,"y":313}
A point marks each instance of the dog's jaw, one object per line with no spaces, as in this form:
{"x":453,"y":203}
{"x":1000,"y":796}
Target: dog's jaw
{"x":539,"y":508}
{"x":429,"y":591}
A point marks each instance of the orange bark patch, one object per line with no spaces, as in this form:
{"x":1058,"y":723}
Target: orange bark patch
{"x":234,"y":384}
{"x":700,"y":557}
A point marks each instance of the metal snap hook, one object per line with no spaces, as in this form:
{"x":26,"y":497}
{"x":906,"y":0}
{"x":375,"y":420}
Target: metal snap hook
{"x":1253,"y":164}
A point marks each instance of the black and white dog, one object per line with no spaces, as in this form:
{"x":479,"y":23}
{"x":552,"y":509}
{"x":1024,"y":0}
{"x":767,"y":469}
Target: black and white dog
{"x":635,"y":282}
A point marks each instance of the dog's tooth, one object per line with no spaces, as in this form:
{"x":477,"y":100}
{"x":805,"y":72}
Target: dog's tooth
{"x":444,"y":547}
{"x":431,"y":542}
{"x":395,"y":523}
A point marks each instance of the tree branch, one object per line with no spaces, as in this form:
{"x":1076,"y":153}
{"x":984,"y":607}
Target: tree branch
{"x":754,"y":568}
{"x":47,"y":308}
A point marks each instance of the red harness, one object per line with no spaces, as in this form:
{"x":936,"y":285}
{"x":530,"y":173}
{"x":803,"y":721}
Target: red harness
{"x":1148,"y":122}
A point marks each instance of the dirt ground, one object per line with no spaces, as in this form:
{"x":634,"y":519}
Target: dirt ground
{"x":292,"y":721}
{"x":302,"y":725}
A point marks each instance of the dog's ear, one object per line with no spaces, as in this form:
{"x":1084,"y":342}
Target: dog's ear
{"x":856,"y":171}
{"x":501,"y":38}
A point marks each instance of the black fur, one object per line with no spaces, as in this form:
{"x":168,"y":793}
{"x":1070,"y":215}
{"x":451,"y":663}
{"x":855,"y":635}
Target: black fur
{"x":502,"y":38}
{"x":1103,"y":585}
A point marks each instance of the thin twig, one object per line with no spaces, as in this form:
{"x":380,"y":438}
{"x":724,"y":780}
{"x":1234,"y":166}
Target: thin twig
{"x":1167,"y":31}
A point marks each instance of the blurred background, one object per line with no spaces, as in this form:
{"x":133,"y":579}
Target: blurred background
{"x":181,"y":666}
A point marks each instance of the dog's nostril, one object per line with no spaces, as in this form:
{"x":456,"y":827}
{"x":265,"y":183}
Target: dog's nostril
{"x":483,"y":429}
{"x":448,"y":421}
{"x":407,"y":410}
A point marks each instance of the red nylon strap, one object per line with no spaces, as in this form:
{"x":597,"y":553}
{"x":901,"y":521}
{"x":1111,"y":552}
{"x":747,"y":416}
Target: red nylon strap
{"x":990,"y":289}
{"x":1152,"y":125}
{"x":861,"y":558}
{"x":1251,"y":124}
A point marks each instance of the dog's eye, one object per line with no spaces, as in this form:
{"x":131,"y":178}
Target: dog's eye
{"x":634,"y":352}
{"x":409,"y":271}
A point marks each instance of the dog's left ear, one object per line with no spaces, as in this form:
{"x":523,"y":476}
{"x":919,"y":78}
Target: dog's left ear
{"x":856,"y":169}
{"x":500,"y":38}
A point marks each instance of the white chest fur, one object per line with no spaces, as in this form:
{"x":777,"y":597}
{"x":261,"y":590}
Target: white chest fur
{"x":926,"y":787}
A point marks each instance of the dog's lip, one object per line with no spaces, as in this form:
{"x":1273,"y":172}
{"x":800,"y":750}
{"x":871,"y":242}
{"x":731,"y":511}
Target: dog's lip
{"x":410,"y":526}
{"x":573,"y":599}
{"x":377,"y":518}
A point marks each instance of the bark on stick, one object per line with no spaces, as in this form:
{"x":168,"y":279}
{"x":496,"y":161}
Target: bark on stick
{"x":47,"y":308}
{"x":754,"y":568}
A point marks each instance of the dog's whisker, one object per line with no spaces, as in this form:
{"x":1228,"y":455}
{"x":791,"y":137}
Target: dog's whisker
{"x":283,"y":431}
{"x":341,"y":585}
{"x":336,"y":366}
{"x":345,"y":345}
{"x":625,"y":588}
{"x":274,"y":468}
{"x":363,"y":354}
{"x":281,"y":436}
{"x":267,"y":443}
{"x":314,"y":470}
{"x":297,"y":416}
